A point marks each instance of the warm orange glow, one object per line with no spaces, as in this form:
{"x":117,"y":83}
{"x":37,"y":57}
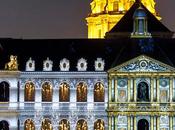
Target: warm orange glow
{"x":105,"y":15}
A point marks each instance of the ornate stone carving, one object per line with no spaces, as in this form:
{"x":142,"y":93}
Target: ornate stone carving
{"x":99,"y":64}
{"x":47,"y":65}
{"x":30,"y":65}
{"x":12,"y":64}
{"x":82,"y":65}
{"x":64,"y":65}
{"x":164,"y":120}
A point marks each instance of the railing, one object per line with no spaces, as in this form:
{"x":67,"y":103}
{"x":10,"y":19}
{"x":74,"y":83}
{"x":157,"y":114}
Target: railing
{"x":62,"y":106}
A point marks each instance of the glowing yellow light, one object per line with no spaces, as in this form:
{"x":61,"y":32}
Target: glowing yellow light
{"x":106,"y":13}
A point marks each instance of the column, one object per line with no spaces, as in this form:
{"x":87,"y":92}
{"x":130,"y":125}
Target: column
{"x":152,"y":89}
{"x":129,"y":123}
{"x":152,"y":122}
{"x":158,"y":89}
{"x":158,"y":122}
{"x":135,"y":91}
{"x":129,"y":89}
{"x":171,"y":89}
{"x":109,"y":91}
{"x":116,"y":90}
{"x":171,"y":123}
{"x":115,"y":122}
{"x":112,"y":90}
{"x":135,"y":123}
{"x":132,"y":118}
{"x":109,"y":122}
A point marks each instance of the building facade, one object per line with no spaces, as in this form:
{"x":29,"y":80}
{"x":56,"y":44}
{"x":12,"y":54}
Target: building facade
{"x":123,"y":82}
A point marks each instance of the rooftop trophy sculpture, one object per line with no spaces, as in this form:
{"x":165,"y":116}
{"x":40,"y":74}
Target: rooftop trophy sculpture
{"x":12,"y":64}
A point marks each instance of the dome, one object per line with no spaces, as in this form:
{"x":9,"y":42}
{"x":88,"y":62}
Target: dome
{"x":140,"y":12}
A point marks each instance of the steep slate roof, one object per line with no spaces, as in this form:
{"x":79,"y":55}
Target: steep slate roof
{"x":125,"y":25}
{"x":113,"y":51}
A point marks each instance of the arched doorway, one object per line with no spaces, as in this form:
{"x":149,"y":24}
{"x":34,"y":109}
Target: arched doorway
{"x":29,"y":92}
{"x":47,"y":92}
{"x":29,"y":125}
{"x":4,"y":92}
{"x":142,"y":92}
{"x":99,"y":92}
{"x":81,"y":92}
{"x":82,"y":125}
{"x":64,"y":125}
{"x":64,"y":92}
{"x":46,"y":125}
{"x":99,"y":125}
{"x":4,"y":125}
{"x":143,"y":124}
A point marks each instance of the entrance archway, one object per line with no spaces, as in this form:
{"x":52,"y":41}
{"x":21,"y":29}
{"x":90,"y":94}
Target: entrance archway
{"x":142,"y":92}
{"x":4,"y":125}
{"x":4,"y":92}
{"x":143,"y":124}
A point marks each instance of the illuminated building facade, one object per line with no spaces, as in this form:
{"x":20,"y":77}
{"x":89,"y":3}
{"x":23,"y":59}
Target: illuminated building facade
{"x":107,"y":13}
{"x":123,"y":82}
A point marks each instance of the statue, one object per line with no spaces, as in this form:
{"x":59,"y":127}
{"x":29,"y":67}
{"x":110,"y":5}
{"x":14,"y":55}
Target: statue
{"x":64,"y":92}
{"x":12,"y":65}
{"x":143,"y":92}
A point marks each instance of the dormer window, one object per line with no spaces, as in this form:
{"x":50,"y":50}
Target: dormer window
{"x":64,"y":65}
{"x":99,"y":64}
{"x":82,"y":65}
{"x":30,"y":65}
{"x":47,"y":65}
{"x":140,"y":24}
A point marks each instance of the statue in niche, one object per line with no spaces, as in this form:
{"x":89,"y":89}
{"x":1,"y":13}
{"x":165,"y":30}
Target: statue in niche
{"x":81,"y":92}
{"x":64,"y":92}
{"x":99,"y":125}
{"x":46,"y":92}
{"x":99,"y":92}
{"x":143,"y":92}
{"x":82,"y":125}
{"x":64,"y":125}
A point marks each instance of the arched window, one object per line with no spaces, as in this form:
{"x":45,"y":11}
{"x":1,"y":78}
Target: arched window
{"x":46,"y":125}
{"x":142,"y":92}
{"x":99,"y":92}
{"x":99,"y":125}
{"x":29,"y":91}
{"x":47,"y":92}
{"x":64,"y":125}
{"x":143,"y":124}
{"x":4,"y":125}
{"x":64,"y":92}
{"x":81,"y":92}
{"x":82,"y":125}
{"x":29,"y":125}
{"x":4,"y":92}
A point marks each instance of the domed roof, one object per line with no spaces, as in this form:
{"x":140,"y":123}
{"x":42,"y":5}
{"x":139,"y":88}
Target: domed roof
{"x":140,"y":12}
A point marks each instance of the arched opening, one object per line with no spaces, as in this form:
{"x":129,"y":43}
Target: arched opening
{"x":143,"y":124}
{"x":99,"y":92}
{"x":64,"y":92}
{"x":82,"y":125}
{"x":29,"y":125}
{"x":47,"y":92}
{"x":142,"y":92}
{"x":29,"y":92}
{"x":4,"y":125}
{"x":4,"y":92}
{"x":81,"y":92}
{"x":99,"y":125}
{"x":46,"y":125}
{"x":64,"y":125}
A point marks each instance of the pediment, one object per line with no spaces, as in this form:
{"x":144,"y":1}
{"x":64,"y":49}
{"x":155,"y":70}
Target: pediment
{"x":143,"y":64}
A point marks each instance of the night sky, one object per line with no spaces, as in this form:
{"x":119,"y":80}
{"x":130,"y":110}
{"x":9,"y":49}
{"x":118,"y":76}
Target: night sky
{"x":58,"y":18}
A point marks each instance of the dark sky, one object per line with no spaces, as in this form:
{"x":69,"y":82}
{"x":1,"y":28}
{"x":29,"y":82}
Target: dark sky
{"x":58,"y":18}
